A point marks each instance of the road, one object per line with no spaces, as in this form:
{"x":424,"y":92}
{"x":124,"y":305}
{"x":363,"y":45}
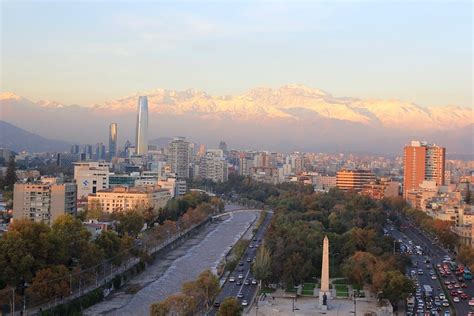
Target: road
{"x":435,"y":254}
{"x":232,"y":289}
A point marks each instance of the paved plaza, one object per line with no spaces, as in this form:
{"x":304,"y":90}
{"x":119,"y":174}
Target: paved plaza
{"x":283,"y":304}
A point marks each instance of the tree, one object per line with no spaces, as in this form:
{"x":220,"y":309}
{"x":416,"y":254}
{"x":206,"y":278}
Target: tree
{"x":176,"y":304}
{"x":110,"y":244}
{"x":359,"y":268}
{"x":209,"y":284}
{"x":24,"y":249}
{"x":229,"y":307}
{"x":10,"y":177}
{"x":50,"y":282}
{"x":204,"y":289}
{"x":130,"y":222}
{"x":397,"y":287}
{"x":262,"y":267}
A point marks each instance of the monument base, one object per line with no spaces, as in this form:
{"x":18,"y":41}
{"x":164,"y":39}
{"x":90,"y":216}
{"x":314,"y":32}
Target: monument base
{"x":321,"y":299}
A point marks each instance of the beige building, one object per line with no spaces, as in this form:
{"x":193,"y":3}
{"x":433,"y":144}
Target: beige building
{"x":122,"y":198}
{"x":44,"y":201}
{"x":91,"y":177}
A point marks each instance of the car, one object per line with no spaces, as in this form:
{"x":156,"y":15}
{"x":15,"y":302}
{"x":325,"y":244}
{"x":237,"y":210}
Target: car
{"x":470,"y":314}
{"x":432,"y":273}
{"x":240,"y":295}
{"x":456,"y":285}
{"x":460,"y":291}
{"x":420,"y":271}
{"x":254,"y":282}
{"x":447,"y":282}
{"x":471,"y":302}
{"x":445,"y":303}
{"x":433,"y":277}
{"x":456,"y":299}
{"x":217,"y":304}
{"x":450,"y":287}
{"x":231,"y":279}
{"x":241,"y":276}
{"x":245,"y":303}
{"x":463,"y":285}
{"x":240,"y":269}
{"x":250,"y":246}
{"x":442,"y":297}
{"x":249,"y":260}
{"x":454,"y":293}
{"x":238,"y":283}
{"x":247,"y":282}
{"x":464,"y":296}
{"x":447,"y":313}
{"x":241,"y":263}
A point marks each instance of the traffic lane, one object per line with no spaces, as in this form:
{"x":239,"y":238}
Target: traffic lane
{"x":229,"y":288}
{"x":462,"y":307}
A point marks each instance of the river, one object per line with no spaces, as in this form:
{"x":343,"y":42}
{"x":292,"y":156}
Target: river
{"x":202,"y":251}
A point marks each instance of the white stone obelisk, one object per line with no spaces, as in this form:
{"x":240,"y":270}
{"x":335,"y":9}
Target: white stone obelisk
{"x":324,"y":290}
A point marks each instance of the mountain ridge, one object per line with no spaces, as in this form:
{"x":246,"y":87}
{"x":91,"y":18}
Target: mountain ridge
{"x":267,"y":103}
{"x":292,"y":117}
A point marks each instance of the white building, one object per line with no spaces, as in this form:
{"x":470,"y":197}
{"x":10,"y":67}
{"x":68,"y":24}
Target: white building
{"x":91,"y":177}
{"x":179,"y":157}
{"x":213,"y":168}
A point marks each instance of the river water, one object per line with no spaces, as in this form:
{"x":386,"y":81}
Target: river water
{"x":165,"y":276}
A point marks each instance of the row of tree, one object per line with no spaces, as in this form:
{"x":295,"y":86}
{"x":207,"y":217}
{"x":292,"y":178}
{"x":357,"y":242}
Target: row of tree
{"x":50,"y":259}
{"x":353,"y":224}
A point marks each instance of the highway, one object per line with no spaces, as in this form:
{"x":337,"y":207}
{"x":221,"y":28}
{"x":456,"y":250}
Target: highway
{"x":232,"y":289}
{"x":435,"y":254}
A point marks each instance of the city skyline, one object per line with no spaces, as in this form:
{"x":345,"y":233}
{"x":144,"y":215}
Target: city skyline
{"x":239,"y":46}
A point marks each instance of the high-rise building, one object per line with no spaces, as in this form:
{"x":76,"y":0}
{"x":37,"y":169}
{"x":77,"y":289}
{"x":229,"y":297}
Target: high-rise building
{"x":75,"y":149}
{"x":142,"y":126}
{"x":353,"y":180}
{"x":223,"y":146}
{"x":179,"y":157}
{"x":422,"y":161}
{"x":100,"y":151}
{"x":45,"y":200}
{"x":213,"y":167}
{"x":87,"y":150}
{"x":112,"y":140}
{"x":91,"y":177}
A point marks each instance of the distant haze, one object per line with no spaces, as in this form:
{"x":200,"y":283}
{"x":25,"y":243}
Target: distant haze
{"x":292,"y":117}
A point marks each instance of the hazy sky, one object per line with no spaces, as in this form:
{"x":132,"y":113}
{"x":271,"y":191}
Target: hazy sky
{"x":87,"y":52}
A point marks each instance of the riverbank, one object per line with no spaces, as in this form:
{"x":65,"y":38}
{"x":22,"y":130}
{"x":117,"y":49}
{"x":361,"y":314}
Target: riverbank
{"x":164,"y":277}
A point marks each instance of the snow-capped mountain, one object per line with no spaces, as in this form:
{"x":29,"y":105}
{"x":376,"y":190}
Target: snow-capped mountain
{"x":292,"y":115}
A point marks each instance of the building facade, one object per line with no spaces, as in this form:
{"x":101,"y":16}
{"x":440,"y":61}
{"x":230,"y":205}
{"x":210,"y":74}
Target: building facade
{"x":44,"y":201}
{"x":179,"y":157}
{"x":213,"y":168}
{"x":91,"y":177}
{"x":353,"y":180}
{"x":113,"y":140}
{"x":141,"y":140}
{"x":120,"y":199}
{"x":422,"y":162}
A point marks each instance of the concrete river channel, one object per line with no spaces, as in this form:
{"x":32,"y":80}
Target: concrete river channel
{"x":165,"y":276}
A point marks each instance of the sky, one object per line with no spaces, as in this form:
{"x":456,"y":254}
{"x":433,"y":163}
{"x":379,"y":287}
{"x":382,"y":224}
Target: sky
{"x":87,"y":52}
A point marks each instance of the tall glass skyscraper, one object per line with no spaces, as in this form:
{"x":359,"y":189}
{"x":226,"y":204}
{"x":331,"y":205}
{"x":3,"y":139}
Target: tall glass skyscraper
{"x":142,"y":126}
{"x":112,"y":140}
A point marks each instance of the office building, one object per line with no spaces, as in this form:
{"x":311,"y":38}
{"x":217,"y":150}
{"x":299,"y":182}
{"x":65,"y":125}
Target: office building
{"x":87,"y":151}
{"x":384,"y":188}
{"x":91,"y":177}
{"x":112,"y":141}
{"x":141,"y":141}
{"x":44,"y":200}
{"x":422,"y":162}
{"x":353,"y":180}
{"x":179,"y":157}
{"x":100,"y":151}
{"x":75,"y":149}
{"x":122,"y":198}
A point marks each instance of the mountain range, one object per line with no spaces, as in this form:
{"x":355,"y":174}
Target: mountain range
{"x":292,"y":117}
